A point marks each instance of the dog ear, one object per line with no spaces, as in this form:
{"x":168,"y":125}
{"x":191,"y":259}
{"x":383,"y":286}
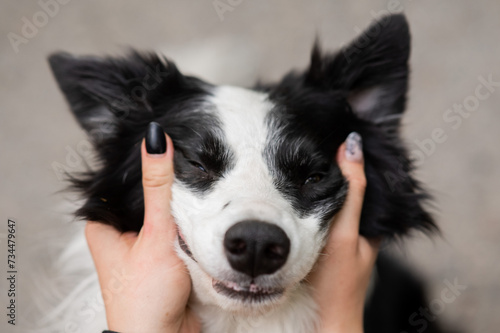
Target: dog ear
{"x":105,"y":93}
{"x":372,"y":71}
{"x":372,"y":74}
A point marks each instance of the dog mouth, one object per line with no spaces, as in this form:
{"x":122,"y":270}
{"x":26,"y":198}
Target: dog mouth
{"x":251,"y":293}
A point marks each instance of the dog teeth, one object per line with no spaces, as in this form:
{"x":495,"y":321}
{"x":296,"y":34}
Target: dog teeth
{"x":234,"y":286}
{"x":253,"y":288}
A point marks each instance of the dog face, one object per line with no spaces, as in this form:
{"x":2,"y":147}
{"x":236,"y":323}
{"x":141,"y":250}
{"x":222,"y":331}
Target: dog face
{"x":256,"y":179}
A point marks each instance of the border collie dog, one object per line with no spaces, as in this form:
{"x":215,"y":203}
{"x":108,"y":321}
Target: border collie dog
{"x":256,"y":181}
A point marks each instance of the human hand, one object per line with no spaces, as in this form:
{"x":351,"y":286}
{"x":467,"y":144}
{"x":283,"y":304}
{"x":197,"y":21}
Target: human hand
{"x":340,"y":279}
{"x":155,"y":283}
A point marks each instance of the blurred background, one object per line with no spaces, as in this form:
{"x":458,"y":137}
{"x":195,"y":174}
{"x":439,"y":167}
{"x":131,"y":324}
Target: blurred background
{"x":455,"y":49}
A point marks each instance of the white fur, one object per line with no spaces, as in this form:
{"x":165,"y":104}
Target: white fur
{"x":65,"y":295}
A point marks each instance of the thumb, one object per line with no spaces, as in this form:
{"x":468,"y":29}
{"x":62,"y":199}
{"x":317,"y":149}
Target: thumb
{"x":351,"y":163}
{"x":157,"y":153}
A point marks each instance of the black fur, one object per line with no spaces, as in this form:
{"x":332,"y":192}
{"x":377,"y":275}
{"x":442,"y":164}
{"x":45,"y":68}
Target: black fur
{"x":306,"y":129}
{"x":397,"y":297}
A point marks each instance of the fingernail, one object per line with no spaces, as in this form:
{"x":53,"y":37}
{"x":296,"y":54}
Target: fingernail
{"x":156,"y":143}
{"x":354,"y":147}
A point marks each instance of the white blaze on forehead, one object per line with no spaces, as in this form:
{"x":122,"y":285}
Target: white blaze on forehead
{"x":243,"y":114}
{"x":243,"y":119}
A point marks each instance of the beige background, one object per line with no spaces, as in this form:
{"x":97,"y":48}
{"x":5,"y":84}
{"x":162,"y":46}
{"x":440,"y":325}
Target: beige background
{"x":454,"y":42}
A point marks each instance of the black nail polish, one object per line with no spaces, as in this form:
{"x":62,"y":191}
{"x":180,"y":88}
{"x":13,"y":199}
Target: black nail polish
{"x":156,"y":143}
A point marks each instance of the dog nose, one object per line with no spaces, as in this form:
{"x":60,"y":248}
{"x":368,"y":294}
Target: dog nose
{"x":256,"y":248}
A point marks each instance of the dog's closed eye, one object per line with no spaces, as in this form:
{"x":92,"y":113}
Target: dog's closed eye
{"x":198,"y":165}
{"x":313,"y":179}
